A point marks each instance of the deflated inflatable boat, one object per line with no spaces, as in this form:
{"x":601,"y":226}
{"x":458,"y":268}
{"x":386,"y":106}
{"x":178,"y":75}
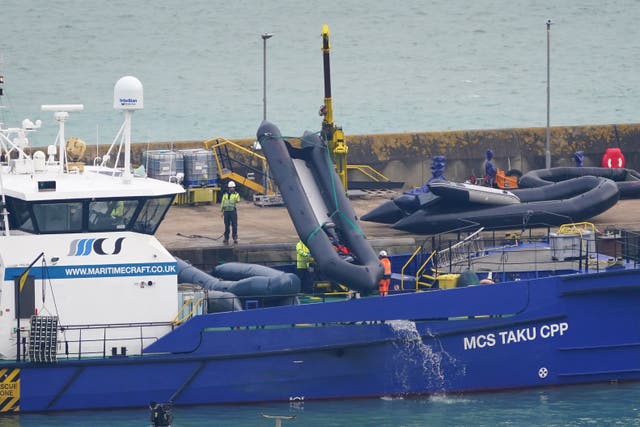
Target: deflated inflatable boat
{"x":575,"y":200}
{"x":319,"y":208}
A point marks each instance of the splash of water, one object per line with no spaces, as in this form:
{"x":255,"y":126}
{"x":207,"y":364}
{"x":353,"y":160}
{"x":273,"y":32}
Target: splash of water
{"x":412,"y":351}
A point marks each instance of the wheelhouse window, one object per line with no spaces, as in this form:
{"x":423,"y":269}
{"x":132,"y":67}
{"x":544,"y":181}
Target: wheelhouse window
{"x":59,"y":217}
{"x":151,"y":214}
{"x":20,"y":215}
{"x":111,"y":215}
{"x":142,"y":215}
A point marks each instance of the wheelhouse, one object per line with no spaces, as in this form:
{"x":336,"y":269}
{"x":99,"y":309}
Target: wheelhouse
{"x":138,"y":214}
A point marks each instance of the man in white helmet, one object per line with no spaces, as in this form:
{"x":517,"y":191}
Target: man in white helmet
{"x":229,"y":212}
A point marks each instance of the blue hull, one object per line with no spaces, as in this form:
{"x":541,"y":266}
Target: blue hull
{"x":530,"y":333}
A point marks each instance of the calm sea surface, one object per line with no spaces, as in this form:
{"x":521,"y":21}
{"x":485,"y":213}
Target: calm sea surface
{"x":606,"y":405}
{"x":410,"y":65}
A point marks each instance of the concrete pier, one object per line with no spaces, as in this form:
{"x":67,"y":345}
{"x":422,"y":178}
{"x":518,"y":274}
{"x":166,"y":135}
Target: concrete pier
{"x":267,"y":235}
{"x":407,"y":156}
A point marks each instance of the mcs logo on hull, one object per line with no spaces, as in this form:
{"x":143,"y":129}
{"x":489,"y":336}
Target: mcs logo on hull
{"x":83,"y":247}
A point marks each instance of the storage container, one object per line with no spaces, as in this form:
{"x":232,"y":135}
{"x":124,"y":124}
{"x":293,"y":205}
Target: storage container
{"x":448,"y":281}
{"x":572,"y":246}
{"x":163,"y":164}
{"x":199,"y":168}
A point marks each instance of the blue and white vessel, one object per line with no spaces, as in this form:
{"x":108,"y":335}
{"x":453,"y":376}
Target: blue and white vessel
{"x":89,"y":302}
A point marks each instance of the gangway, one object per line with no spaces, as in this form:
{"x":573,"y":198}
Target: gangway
{"x":246,"y":168}
{"x":422,"y":268}
{"x":471,"y":246}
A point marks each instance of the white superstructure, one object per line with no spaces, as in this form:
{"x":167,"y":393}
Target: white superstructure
{"x":89,"y":228}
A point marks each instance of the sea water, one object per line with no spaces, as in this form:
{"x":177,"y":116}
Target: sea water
{"x":403,"y":66}
{"x":601,"y":405}
{"x":413,"y":65}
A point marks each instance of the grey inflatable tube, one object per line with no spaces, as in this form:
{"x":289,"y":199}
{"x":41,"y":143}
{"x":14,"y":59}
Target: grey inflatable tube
{"x":627,"y":180}
{"x":240,"y":270}
{"x":274,"y":284}
{"x":218,"y":302}
{"x":365,"y":271}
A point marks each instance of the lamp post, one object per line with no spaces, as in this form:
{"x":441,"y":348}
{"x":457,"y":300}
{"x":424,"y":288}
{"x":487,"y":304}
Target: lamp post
{"x":265,"y":37}
{"x":548,"y":152}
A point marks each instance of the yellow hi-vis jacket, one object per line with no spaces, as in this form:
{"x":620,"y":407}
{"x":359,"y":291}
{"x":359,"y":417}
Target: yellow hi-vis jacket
{"x":229,"y":201}
{"x":303,"y":256}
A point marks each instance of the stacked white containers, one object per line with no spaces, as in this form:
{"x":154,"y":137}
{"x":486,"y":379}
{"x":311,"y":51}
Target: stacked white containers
{"x":199,"y":168}
{"x":165,"y":165}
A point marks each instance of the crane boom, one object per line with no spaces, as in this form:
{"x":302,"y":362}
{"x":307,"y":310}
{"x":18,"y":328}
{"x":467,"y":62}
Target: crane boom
{"x":332,"y":134}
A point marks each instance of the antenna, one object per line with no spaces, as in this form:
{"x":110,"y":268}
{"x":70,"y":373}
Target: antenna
{"x":61,"y":114}
{"x":127,"y":96}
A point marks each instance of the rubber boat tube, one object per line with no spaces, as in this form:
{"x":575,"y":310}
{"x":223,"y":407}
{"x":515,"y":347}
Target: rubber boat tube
{"x":558,"y":191}
{"x":319,"y":208}
{"x":241,"y":270}
{"x":546,"y":212}
{"x":219,"y":302}
{"x":628,"y":180}
{"x":278,"y":287}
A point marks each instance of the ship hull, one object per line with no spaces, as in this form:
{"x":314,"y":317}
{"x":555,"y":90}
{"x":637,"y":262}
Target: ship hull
{"x":531,"y":333}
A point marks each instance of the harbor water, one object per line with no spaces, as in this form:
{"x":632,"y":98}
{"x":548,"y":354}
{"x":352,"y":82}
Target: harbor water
{"x":396,"y":67}
{"x":602,"y":405}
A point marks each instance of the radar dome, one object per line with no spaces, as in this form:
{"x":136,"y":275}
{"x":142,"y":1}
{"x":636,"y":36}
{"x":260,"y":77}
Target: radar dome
{"x":128,"y":94}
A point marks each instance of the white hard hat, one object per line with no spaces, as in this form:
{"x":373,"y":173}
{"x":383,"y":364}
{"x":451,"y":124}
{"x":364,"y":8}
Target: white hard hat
{"x":231,"y":184}
{"x":383,"y":253}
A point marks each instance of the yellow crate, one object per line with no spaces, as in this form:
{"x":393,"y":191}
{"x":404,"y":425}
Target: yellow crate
{"x":181,"y":199}
{"x":202,"y":195}
{"x":448,"y":281}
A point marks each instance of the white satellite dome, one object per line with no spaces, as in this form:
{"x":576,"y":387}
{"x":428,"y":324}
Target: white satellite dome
{"x":128,"y":94}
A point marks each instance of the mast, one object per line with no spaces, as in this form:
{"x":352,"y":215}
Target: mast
{"x":3,"y":208}
{"x":331,"y":133}
{"x":61,"y":114}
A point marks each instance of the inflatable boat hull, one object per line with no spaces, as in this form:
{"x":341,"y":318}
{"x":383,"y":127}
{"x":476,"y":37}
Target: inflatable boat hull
{"x":580,"y":207}
{"x":319,"y":208}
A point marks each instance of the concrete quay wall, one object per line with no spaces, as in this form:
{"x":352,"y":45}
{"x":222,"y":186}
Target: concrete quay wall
{"x":407,"y":156}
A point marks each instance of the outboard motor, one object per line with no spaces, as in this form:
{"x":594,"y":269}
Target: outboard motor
{"x":161,"y":414}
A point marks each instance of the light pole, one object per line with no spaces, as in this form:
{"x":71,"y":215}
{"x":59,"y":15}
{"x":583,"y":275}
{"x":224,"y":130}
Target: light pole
{"x":265,"y":37}
{"x":548,"y":152}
